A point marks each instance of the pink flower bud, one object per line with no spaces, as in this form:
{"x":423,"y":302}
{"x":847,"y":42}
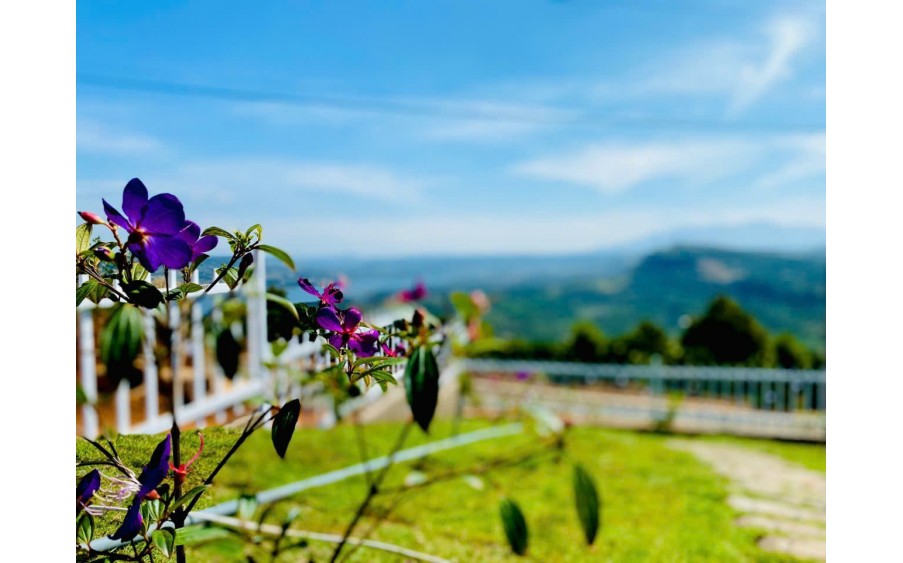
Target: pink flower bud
{"x":91,"y":218}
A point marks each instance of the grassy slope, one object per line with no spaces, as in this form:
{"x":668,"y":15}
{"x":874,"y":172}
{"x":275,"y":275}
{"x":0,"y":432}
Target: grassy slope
{"x":659,"y":505}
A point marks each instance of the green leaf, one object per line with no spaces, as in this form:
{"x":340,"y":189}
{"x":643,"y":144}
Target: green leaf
{"x":228,"y":352}
{"x":256,"y":228}
{"x":174,"y":294}
{"x":218,"y":232}
{"x":186,"y":499}
{"x":165,"y":540}
{"x":82,"y":237}
{"x":379,"y":361}
{"x":515,"y":526}
{"x":84,"y":528}
{"x":198,"y":534}
{"x":421,"y":382}
{"x":231,"y":276}
{"x":285,"y":304}
{"x":382,"y":376}
{"x":138,"y":272}
{"x":144,"y":294}
{"x":333,"y":351}
{"x":243,"y":266}
{"x":190,"y":287}
{"x":284,"y":425}
{"x":81,"y":398}
{"x":277,"y":253}
{"x":588,"y":503}
{"x":84,"y":290}
{"x":120,"y":342}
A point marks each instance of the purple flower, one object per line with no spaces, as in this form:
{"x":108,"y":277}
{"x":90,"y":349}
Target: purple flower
{"x":153,"y":226}
{"x":190,"y":234}
{"x":345,"y":325}
{"x":131,"y":525}
{"x":85,"y":489}
{"x":331,"y":295}
{"x":156,"y":469}
{"x":415,"y":294}
{"x":399,"y":351}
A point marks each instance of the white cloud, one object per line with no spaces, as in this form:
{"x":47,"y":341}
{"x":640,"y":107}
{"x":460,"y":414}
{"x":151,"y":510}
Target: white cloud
{"x":741,"y":70}
{"x":617,"y":167}
{"x":92,"y":137}
{"x":613,"y":168}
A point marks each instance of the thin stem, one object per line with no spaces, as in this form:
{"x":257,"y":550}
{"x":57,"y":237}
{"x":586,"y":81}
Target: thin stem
{"x":222,"y":273}
{"x":372,"y":491}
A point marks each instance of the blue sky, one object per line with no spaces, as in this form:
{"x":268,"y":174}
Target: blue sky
{"x":403,"y":128}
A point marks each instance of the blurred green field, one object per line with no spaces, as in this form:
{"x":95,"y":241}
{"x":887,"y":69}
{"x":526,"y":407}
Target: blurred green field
{"x":658,"y":504}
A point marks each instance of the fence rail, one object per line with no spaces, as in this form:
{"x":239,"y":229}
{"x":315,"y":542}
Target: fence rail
{"x":201,"y":390}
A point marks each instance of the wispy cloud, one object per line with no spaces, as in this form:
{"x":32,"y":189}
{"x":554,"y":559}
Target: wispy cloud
{"x":616,"y":167}
{"x":742,"y":70}
{"x":93,"y":137}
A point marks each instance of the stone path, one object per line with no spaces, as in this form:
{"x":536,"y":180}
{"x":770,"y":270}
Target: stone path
{"x":785,"y":500}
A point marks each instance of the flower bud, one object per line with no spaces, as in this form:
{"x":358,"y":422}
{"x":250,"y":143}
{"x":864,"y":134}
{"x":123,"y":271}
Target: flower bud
{"x":104,"y":253}
{"x":91,"y":218}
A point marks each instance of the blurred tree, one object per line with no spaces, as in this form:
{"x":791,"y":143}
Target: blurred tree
{"x":587,"y":343}
{"x":646,"y":341}
{"x":726,"y":334}
{"x":790,"y":353}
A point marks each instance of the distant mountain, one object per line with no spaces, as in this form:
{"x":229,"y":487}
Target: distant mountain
{"x":786,"y":292}
{"x":748,"y":237}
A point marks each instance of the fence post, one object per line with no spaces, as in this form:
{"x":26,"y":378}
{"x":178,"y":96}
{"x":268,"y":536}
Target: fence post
{"x":198,"y":355}
{"x":151,"y":374}
{"x":258,"y":349}
{"x":88,"y":366}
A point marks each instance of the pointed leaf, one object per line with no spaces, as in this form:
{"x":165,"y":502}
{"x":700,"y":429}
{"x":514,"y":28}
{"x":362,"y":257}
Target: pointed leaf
{"x":84,"y":290}
{"x":421,"y":382}
{"x":216,"y":231}
{"x":588,"y":503}
{"x":284,"y":425}
{"x":84,"y":528}
{"x":285,"y":304}
{"x":82,"y":237}
{"x":515,"y":525}
{"x":277,"y":253}
{"x":186,"y":499}
{"x":165,"y":540}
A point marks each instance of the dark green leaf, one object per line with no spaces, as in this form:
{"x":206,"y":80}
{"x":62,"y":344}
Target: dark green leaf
{"x":175,"y":294}
{"x":285,"y":304}
{"x":421,"y":382}
{"x":83,"y":290}
{"x":228,"y":352}
{"x":588,"y":503}
{"x":515,"y":526}
{"x":277,"y":253}
{"x":243,"y":266}
{"x":186,"y":499}
{"x":382,"y":376}
{"x":82,"y":237}
{"x":120,"y":342}
{"x":165,"y":540}
{"x":284,"y":425}
{"x":84,"y":528}
{"x":216,"y":231}
{"x":144,"y":294}
{"x":80,"y":397}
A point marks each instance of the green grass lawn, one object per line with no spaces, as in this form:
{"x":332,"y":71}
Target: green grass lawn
{"x":658,"y":504}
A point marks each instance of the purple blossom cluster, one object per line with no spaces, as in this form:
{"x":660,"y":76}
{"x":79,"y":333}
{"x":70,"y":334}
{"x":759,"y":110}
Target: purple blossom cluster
{"x":158,"y":233}
{"x":344,"y":324}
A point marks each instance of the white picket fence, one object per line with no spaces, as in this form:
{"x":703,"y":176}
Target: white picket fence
{"x":202,"y":390}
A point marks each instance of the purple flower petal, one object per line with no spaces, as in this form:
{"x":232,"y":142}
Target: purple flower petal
{"x":132,"y":524}
{"x":190,"y":232}
{"x":163,"y":215}
{"x":204,"y":244}
{"x":351,"y":319}
{"x":86,"y":488}
{"x":134,"y":198}
{"x":169,"y":251}
{"x":332,"y":295}
{"x":337,"y":340}
{"x":116,"y":217}
{"x":328,"y":319}
{"x":365,"y":344}
{"x":156,"y":469}
{"x":308,"y":287}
